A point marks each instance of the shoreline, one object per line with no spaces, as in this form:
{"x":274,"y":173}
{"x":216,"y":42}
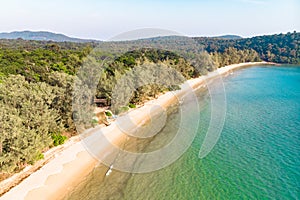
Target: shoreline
{"x":73,"y":163}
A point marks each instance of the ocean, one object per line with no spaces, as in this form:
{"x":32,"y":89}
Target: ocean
{"x":256,"y":157}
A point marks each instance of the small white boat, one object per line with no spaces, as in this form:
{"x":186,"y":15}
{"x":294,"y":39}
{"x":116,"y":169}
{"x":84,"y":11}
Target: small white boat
{"x":109,"y":171}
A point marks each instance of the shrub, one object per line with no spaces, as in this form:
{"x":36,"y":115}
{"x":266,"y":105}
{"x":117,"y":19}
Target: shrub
{"x":131,"y":105}
{"x":108,"y":113}
{"x":38,"y":156}
{"x":122,"y":109}
{"x":94,"y":122}
{"x":58,"y":139}
{"x":174,"y":87}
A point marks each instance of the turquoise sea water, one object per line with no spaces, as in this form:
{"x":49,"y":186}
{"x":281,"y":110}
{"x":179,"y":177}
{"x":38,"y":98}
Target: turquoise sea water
{"x":256,"y":157}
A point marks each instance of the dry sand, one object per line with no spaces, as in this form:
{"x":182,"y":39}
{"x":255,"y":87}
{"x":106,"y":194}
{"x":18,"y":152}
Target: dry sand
{"x":56,"y":178}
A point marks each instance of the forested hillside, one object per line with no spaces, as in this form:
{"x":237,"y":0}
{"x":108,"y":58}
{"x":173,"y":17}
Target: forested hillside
{"x":37,"y":77}
{"x":279,"y":48}
{"x":40,"y":35}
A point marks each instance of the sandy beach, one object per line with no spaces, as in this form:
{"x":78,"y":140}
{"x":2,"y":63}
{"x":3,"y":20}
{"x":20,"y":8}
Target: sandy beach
{"x":69,"y":167}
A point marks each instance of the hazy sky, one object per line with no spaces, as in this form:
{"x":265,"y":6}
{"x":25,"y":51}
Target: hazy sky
{"x":103,"y":19}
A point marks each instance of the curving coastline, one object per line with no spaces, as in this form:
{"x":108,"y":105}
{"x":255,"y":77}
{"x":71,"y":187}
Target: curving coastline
{"x":72,"y":164}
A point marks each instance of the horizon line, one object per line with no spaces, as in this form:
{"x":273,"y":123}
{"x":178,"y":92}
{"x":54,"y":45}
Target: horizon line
{"x":147,"y":37}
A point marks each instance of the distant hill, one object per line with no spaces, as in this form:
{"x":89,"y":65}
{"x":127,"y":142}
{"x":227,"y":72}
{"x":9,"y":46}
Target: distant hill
{"x":230,"y":37}
{"x":56,"y":37}
{"x":42,"y":36}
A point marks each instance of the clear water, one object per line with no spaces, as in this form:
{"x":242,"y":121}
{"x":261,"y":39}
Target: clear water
{"x":257,"y":156}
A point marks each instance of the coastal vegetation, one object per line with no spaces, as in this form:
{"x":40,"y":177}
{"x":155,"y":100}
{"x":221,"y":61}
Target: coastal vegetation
{"x":278,"y":48}
{"x":37,"y":78}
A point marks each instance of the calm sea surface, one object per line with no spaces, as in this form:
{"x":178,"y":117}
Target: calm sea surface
{"x":256,"y":157}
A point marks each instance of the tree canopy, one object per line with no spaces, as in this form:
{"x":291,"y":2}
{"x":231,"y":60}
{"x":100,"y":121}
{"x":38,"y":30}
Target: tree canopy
{"x":37,"y":79}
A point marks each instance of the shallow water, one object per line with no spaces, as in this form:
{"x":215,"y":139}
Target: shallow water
{"x":256,"y":157}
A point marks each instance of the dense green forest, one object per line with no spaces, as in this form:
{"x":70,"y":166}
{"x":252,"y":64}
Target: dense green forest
{"x":279,"y":48}
{"x":37,"y":78}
